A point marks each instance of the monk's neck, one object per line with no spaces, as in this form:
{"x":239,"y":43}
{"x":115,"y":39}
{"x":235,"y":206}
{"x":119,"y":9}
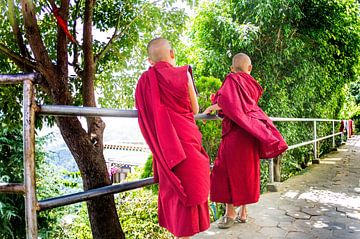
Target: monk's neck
{"x":163,"y":63}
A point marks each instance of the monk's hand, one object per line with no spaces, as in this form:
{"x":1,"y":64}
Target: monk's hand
{"x":208,"y":110}
{"x":212,"y":97}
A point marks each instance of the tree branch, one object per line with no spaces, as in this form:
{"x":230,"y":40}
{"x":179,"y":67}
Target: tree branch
{"x":116,"y":36}
{"x":76,"y":54}
{"x":12,"y":13}
{"x":89,"y":64}
{"x":95,"y":125}
{"x":62,"y":51}
{"x":110,"y":42}
{"x":35,"y":40}
{"x":20,"y":61}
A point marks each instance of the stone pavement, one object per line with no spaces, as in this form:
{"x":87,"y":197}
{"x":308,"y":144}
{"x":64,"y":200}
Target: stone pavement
{"x":323,"y":202}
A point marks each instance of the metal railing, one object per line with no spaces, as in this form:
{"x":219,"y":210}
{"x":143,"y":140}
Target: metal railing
{"x":28,"y":187}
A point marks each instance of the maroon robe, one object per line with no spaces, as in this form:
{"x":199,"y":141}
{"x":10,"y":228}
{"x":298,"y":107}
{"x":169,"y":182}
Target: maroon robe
{"x":181,"y":165}
{"x":247,"y":135}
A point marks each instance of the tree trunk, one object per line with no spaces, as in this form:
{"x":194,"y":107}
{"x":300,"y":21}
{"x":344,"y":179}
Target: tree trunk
{"x":86,"y":147}
{"x":102,"y":212}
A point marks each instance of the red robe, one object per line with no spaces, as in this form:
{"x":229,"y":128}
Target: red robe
{"x":247,"y":135}
{"x":181,"y":165}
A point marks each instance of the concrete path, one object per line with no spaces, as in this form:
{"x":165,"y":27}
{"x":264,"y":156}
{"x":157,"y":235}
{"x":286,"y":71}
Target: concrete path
{"x":324,"y":202}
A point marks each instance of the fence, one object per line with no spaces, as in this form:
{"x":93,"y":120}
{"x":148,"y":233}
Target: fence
{"x":28,"y":187}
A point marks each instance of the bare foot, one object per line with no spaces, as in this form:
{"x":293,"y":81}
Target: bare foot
{"x":243,"y":214}
{"x":230,"y":211}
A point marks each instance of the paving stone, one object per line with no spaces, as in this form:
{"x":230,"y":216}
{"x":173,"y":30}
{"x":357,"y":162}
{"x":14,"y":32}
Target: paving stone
{"x":298,"y":215}
{"x":326,"y":195}
{"x":355,"y":216}
{"x":353,"y":227}
{"x":334,"y":214}
{"x":266,"y":222}
{"x":252,"y":235}
{"x":304,"y":224}
{"x":321,"y":233}
{"x":299,"y":235}
{"x":273,"y":232}
{"x":346,"y":209}
{"x":312,"y":211}
{"x":343,"y":234}
{"x":291,"y":227}
{"x":337,"y":226}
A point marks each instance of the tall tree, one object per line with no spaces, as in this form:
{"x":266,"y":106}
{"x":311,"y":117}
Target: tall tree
{"x":36,"y":41}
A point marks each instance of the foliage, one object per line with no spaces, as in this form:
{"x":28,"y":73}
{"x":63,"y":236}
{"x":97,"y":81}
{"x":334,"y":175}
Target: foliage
{"x":303,"y":53}
{"x":12,"y":219}
{"x":139,"y":213}
{"x":138,"y":210}
{"x":148,"y":172}
{"x":211,"y":130}
{"x":355,"y":91}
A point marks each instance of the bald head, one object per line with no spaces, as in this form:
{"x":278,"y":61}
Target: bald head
{"x":159,"y":49}
{"x":241,"y":62}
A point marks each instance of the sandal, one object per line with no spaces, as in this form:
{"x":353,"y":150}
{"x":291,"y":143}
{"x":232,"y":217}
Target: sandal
{"x":241,"y":220}
{"x":225,"y":222}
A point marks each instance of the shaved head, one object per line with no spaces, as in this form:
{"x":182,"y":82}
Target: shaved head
{"x":241,"y":62}
{"x":159,"y":50}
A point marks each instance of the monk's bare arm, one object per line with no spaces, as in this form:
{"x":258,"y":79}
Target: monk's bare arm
{"x":211,"y":109}
{"x":192,"y":94}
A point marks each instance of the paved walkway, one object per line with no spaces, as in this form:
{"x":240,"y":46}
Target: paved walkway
{"x":324,"y":203}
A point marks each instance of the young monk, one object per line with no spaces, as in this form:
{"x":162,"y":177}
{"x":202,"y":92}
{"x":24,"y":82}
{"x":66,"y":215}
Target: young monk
{"x":247,"y":135}
{"x":166,"y":102}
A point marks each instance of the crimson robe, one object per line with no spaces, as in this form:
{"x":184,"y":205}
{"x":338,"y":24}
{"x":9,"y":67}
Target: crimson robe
{"x":247,"y":135}
{"x":180,"y":163}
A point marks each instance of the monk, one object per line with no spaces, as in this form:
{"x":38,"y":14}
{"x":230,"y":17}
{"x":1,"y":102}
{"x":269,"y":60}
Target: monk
{"x":247,"y":135}
{"x":166,"y":102}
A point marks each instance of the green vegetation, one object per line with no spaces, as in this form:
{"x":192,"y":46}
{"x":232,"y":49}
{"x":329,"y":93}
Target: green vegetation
{"x":304,"y":53}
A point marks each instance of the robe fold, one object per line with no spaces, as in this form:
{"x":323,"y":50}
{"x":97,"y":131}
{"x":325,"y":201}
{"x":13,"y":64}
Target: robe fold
{"x":247,"y":135}
{"x":181,"y":165}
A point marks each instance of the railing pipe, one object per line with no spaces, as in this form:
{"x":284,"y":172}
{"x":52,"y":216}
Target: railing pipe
{"x":315,"y":141}
{"x":12,"y":188}
{"x":29,"y":159}
{"x":280,"y":119}
{"x":65,"y":110}
{"x":17,"y":78}
{"x":333,"y":132}
{"x":92,"y":193}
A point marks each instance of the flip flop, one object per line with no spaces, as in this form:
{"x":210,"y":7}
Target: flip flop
{"x":240,"y":220}
{"x":225,"y":222}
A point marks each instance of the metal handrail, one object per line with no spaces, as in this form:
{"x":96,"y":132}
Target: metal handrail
{"x":92,"y":193}
{"x":17,"y":78}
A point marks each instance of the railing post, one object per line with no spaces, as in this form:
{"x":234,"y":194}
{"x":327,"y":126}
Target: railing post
{"x":333,"y":132}
{"x":271,"y":171}
{"x":277,"y":168}
{"x":29,"y":160}
{"x":272,"y":186}
{"x":315,"y":160}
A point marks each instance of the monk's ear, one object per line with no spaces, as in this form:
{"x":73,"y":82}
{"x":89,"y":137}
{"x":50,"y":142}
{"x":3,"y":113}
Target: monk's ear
{"x":151,"y":62}
{"x":172,"y":53}
{"x":249,"y":68}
